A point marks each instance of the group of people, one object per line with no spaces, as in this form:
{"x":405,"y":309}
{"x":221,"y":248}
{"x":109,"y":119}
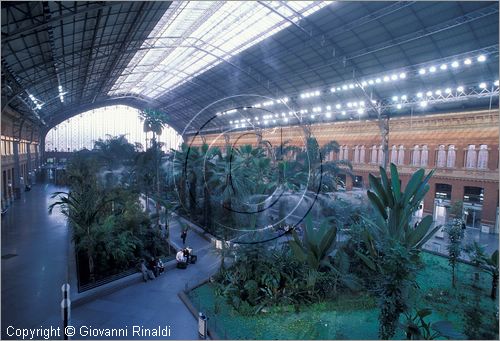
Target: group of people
{"x":185,"y":256}
{"x":152,"y":269}
{"x":155,"y":267}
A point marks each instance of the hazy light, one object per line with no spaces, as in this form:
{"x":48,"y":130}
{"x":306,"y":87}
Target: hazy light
{"x":422,"y":71}
{"x":481,"y":58}
{"x":467,"y":61}
{"x":455,"y":64}
{"x":482,"y":85}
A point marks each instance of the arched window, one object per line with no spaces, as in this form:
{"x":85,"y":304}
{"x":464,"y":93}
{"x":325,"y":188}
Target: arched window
{"x":450,"y":162}
{"x":416,"y":156}
{"x":362,"y":154}
{"x":341,"y":153}
{"x":356,"y":154}
{"x":381,"y":157}
{"x":482,"y":158}
{"x":471,"y":156}
{"x":373,"y":159}
{"x":401,"y":155}
{"x":441,"y":156}
{"x":394,"y":155}
{"x":424,"y":158}
{"x":346,"y":153}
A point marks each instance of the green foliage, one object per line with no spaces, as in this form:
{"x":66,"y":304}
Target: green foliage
{"x":391,"y":244}
{"x":492,"y":268}
{"x":110,"y":229}
{"x":259,"y":278}
{"x":416,"y":328}
{"x":317,"y":244}
{"x":456,"y":209}
{"x":154,"y":121}
{"x":455,"y":234}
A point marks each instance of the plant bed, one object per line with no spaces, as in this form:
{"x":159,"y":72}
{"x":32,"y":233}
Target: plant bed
{"x":352,"y":315}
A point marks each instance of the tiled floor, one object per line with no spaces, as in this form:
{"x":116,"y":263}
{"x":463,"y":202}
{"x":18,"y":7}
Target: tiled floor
{"x":31,"y":281}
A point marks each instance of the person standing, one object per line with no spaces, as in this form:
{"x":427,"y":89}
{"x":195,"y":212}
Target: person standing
{"x":183,"y":236}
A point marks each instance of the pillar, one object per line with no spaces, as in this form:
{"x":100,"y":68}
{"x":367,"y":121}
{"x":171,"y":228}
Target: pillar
{"x":29,"y":168}
{"x":16,"y":186}
{"x":460,"y":159}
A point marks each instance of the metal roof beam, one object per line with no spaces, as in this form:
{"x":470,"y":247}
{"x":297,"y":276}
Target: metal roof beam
{"x":467,"y":18}
{"x":14,"y":35}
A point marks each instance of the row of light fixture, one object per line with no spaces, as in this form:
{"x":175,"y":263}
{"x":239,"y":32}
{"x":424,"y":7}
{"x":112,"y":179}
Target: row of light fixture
{"x":61,"y":94}
{"x":38,"y":104}
{"x":454,"y":65}
{"x":358,"y":106}
{"x":402,"y":75}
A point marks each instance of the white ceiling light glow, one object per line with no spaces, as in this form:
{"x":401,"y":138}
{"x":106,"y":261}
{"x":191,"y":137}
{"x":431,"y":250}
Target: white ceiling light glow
{"x":194,"y":36}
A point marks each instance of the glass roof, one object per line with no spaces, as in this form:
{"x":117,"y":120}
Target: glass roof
{"x":194,"y":36}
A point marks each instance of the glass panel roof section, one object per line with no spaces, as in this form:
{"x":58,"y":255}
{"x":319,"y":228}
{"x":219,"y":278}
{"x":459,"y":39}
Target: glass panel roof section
{"x":194,"y":36}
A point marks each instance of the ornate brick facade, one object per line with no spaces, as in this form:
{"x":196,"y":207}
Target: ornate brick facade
{"x":459,"y":130}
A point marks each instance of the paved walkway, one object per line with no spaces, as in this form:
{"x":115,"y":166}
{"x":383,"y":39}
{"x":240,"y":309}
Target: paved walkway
{"x":154,"y":303}
{"x":32,"y":279}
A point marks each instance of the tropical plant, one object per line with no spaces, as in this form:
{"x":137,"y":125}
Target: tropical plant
{"x":83,"y":210}
{"x":155,"y":121}
{"x":316,"y":245}
{"x":456,"y":209}
{"x":492,"y":269}
{"x":455,"y":234}
{"x":477,"y":257}
{"x":392,"y":244}
{"x":321,"y":175}
{"x":416,"y":328}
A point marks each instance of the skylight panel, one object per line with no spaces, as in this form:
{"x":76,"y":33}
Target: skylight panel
{"x":194,"y":36}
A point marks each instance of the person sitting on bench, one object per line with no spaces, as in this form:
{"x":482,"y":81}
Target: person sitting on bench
{"x":181,"y":260}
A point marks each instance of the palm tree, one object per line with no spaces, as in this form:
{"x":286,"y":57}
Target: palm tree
{"x":83,"y":210}
{"x":155,"y":121}
{"x":323,"y":175}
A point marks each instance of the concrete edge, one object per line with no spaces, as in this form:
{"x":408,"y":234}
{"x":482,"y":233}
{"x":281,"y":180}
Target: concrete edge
{"x":187,"y":302}
{"x":78,"y":299}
